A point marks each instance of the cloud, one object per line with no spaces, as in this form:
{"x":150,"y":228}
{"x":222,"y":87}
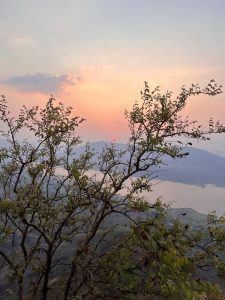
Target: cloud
{"x":40,"y":82}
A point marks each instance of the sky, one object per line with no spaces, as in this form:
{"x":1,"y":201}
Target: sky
{"x":96,"y":54}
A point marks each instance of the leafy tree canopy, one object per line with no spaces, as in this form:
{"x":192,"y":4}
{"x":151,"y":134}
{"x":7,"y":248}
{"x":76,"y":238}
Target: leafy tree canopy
{"x":73,"y":236}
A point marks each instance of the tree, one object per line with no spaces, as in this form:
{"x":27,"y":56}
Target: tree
{"x":165,"y":259}
{"x":58,"y":230}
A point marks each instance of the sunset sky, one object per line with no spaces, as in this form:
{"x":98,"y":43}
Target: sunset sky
{"x":96,"y":54}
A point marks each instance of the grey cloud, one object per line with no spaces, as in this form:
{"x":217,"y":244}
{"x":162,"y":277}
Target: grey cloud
{"x":40,"y":82}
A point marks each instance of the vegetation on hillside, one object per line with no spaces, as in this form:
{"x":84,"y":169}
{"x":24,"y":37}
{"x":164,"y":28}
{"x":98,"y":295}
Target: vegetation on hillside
{"x":74,"y":236}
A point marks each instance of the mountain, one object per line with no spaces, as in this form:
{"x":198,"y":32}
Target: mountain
{"x":199,"y":168}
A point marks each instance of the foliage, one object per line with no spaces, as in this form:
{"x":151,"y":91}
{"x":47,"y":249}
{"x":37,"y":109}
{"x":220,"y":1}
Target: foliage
{"x":161,"y":258}
{"x":58,"y":230}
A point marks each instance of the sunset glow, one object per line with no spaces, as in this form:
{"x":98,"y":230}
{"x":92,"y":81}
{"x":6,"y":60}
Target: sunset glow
{"x":96,"y":55}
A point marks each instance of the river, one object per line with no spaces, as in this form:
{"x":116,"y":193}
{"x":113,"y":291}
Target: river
{"x":202,"y":199}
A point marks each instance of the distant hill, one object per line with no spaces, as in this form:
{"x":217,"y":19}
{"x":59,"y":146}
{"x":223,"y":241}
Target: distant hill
{"x":199,"y":168}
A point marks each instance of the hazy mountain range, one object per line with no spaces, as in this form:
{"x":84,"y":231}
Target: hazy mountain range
{"x":199,"y":168}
